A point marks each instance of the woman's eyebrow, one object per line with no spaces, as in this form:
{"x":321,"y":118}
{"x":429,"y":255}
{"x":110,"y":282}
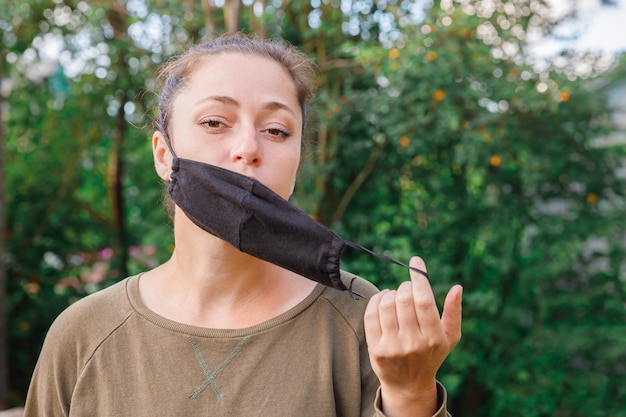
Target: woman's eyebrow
{"x":270,"y":105}
{"x":276,"y":105}
{"x":221,"y":99}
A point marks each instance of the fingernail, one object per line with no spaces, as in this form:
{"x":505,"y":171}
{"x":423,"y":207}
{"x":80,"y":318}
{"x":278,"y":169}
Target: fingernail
{"x":417,"y":261}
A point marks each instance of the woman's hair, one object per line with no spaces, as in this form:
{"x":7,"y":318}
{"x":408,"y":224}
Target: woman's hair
{"x":174,"y":74}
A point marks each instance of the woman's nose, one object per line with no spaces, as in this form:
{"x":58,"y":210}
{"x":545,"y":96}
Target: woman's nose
{"x":246,"y":148}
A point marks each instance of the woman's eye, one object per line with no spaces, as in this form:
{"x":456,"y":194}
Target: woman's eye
{"x":278,"y":133}
{"x":213,"y":124}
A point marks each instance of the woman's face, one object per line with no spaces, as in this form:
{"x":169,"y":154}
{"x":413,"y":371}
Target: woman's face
{"x":241,"y":112}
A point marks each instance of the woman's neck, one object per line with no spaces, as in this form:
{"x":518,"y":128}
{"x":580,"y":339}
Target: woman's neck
{"x":209,"y":283}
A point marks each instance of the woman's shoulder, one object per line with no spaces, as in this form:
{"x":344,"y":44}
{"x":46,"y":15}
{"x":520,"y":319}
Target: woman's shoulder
{"x":351,"y":303}
{"x":94,"y":316}
{"x":357,"y":286}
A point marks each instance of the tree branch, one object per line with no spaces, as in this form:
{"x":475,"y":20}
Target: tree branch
{"x":355,"y":185}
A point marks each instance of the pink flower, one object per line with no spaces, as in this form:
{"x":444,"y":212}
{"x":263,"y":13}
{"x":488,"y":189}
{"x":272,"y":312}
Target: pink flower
{"x":134,"y":251}
{"x":106,"y":254}
{"x":69,"y":282}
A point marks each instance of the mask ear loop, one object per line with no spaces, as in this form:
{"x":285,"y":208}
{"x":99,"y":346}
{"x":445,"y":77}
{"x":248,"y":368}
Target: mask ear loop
{"x":353,"y":294}
{"x":384,"y":257}
{"x":169,"y":145}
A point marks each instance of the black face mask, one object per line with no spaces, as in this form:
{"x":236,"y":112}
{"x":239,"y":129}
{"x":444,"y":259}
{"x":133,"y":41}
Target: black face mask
{"x":257,"y":221}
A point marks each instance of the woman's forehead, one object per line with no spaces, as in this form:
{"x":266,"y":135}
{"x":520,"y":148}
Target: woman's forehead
{"x":244,"y":68}
{"x":242,"y":77}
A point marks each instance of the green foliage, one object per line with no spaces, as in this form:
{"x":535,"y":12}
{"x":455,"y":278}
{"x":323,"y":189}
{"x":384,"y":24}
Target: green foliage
{"x":489,"y":171}
{"x":427,"y":138}
{"x":499,"y":187}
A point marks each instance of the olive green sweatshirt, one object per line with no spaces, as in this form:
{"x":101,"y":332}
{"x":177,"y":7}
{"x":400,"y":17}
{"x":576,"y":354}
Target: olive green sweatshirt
{"x":109,"y":355}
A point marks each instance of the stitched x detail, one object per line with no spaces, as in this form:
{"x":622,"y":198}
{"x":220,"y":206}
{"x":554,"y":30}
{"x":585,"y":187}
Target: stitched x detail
{"x":210,"y":376}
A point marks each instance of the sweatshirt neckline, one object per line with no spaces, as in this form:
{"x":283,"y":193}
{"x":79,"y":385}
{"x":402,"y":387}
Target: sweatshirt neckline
{"x":132,"y":290}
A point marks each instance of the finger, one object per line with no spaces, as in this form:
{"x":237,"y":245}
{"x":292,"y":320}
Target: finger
{"x":405,"y":307}
{"x":417,"y":265}
{"x":373,"y":332}
{"x":387,"y":313}
{"x":423,"y":298}
{"x":452,"y":315}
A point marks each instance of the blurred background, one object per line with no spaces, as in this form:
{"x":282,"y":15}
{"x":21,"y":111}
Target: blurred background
{"x":487,"y":136}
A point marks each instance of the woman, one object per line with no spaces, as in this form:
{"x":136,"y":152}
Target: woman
{"x":216,"y":331}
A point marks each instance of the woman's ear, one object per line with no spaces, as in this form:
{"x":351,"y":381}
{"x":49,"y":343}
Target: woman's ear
{"x":162,"y":156}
